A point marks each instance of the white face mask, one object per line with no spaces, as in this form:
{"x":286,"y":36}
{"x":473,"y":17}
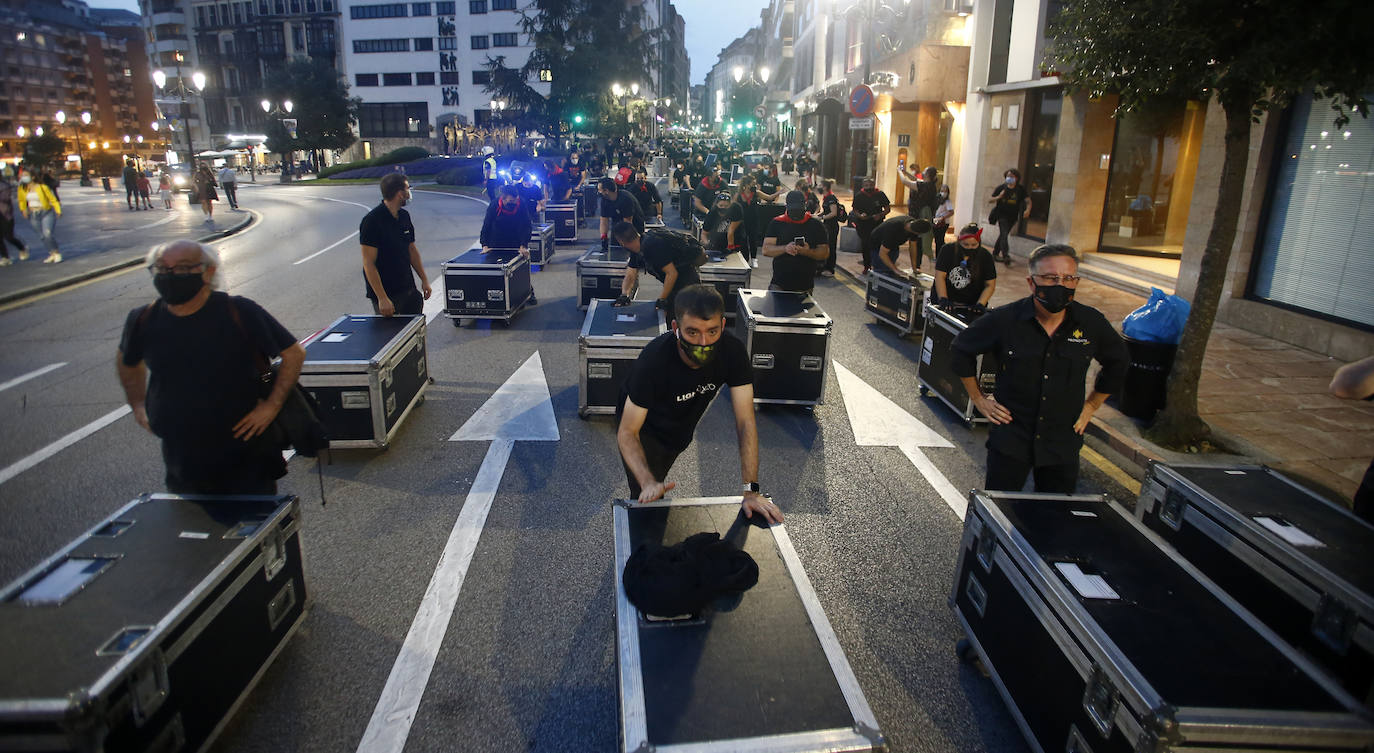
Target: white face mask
{"x":26,"y":179}
{"x":1011,"y":181}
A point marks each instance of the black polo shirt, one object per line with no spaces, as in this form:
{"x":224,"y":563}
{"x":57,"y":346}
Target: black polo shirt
{"x":391,"y":236}
{"x":1040,"y":378}
{"x":795,"y":273}
{"x":623,"y":208}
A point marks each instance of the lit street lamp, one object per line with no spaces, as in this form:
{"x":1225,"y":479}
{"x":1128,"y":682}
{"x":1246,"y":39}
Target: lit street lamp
{"x":182,"y":92}
{"x":85,"y":119}
{"x":289,"y":124}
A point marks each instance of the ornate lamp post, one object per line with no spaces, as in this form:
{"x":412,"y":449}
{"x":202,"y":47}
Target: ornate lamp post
{"x":182,"y":91}
{"x":289,"y":124}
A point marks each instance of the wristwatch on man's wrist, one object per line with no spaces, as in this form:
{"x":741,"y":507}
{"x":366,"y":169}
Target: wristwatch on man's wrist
{"x":751,"y":486}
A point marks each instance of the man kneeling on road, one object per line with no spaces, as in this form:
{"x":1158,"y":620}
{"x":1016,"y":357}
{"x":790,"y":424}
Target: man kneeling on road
{"x":671,"y":257}
{"x":674,"y":380}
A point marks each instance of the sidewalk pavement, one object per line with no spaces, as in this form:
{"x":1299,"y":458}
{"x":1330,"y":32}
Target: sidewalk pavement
{"x":1265,"y":400}
{"x":97,"y":234}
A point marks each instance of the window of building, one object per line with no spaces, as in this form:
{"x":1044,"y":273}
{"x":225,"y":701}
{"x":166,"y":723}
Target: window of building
{"x":1150,"y":180}
{"x":381,"y":45}
{"x":503,"y":4}
{"x":480,"y":42}
{"x":448,"y":43}
{"x":281,"y":7}
{"x":420,"y":9}
{"x":393,"y":119}
{"x":477,"y":7}
{"x":295,"y":7}
{"x":481,"y":78}
{"x":1043,"y":106}
{"x":365,"y":79}
{"x":424,"y":78}
{"x":328,"y":6}
{"x":1000,"y":52}
{"x":396,"y":79}
{"x":424,"y":44}
{"x":505,"y":39}
{"x":1312,"y":255}
{"x":385,"y":10}
{"x":449,"y":77}
{"x":854,"y":47}
{"x":445,"y":8}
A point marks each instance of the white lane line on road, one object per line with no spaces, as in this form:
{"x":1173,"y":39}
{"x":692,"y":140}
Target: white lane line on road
{"x":23,"y":465}
{"x":326,"y":248}
{"x":32,"y":374}
{"x":483,"y":202}
{"x":341,"y":201}
{"x":956,"y":501}
{"x":390,"y":724}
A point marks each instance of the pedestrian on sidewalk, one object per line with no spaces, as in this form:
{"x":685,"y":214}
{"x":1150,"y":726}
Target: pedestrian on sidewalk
{"x":1355,"y":381}
{"x":189,"y":365}
{"x":1011,"y":204}
{"x":922,"y":204}
{"x":145,"y":191}
{"x":868,"y":209}
{"x":205,"y":191}
{"x":130,"y":176}
{"x":507,"y":225}
{"x":229,"y":181}
{"x":164,"y":187}
{"x":7,"y":235}
{"x":944,"y":211}
{"x":832,"y":214}
{"x":1044,"y":345}
{"x":39,"y":204}
{"x":389,"y":253}
{"x":795,"y":241}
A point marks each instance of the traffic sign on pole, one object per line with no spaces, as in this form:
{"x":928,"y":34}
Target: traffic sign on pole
{"x":759,"y":112}
{"x":861,"y":101}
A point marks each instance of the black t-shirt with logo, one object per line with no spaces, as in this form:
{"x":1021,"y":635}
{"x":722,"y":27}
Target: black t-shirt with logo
{"x":391,"y":236}
{"x":966,"y":272}
{"x":677,"y":395}
{"x":796,"y":273}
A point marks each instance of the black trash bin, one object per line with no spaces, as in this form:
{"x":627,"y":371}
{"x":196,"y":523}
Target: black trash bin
{"x":1147,"y":378}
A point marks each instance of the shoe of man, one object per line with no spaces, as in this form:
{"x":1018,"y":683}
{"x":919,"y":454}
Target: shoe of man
{"x":53,"y":259}
{"x":827,"y":273}
{"x":5,"y":261}
{"x":23,"y":254}
{"x":754,"y":263}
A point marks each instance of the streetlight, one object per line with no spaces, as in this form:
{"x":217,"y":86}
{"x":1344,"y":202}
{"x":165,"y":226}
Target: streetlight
{"x":85,"y":119}
{"x":289,"y":125}
{"x":182,"y":92}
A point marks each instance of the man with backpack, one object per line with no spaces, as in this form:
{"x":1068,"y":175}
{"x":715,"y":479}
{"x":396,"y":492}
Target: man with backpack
{"x":670,"y":256}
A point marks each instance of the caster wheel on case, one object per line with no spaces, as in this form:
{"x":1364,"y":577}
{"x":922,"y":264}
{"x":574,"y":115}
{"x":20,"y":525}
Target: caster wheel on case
{"x":925,"y":391}
{"x":964,"y":650}
{"x":458,"y":323}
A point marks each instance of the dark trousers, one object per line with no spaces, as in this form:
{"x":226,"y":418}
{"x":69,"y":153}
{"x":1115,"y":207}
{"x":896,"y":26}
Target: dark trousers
{"x":659,"y":458}
{"x":231,"y":189}
{"x":1001,"y":249}
{"x":130,"y":191}
{"x":492,"y":185}
{"x":1008,"y":474}
{"x":865,"y":230}
{"x":832,"y":236}
{"x":240,"y":486}
{"x":7,"y":235}
{"x":409,"y":302}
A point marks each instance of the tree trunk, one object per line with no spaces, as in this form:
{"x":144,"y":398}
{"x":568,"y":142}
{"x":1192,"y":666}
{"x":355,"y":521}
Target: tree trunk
{"x":1179,"y":426}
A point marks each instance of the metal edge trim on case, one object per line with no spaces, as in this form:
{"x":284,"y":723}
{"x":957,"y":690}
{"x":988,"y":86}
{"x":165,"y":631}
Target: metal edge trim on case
{"x":634,"y":724}
{"x":374,"y":387}
{"x":414,"y":401}
{"x":830,"y":741}
{"x":1306,"y":728}
{"x":830,"y":643}
{"x":1001,"y":686}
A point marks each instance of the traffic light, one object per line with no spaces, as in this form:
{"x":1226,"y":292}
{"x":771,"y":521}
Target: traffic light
{"x":577,"y":120}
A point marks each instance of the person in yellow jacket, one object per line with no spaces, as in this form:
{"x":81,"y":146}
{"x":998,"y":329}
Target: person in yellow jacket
{"x":38,"y":203}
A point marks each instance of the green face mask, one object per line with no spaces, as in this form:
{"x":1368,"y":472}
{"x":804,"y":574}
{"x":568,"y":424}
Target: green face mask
{"x":697,"y":354}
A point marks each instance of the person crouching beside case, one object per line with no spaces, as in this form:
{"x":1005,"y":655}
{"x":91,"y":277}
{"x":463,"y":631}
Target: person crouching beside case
{"x":189,"y":366}
{"x":1044,"y":344}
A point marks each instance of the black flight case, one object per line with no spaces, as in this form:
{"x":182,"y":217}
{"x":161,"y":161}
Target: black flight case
{"x":492,"y":285}
{"x":591,"y":202}
{"x":787,"y":336}
{"x":727,"y":272}
{"x":1302,"y":564}
{"x":935,"y":369}
{"x":366,"y":373}
{"x":148,"y":632}
{"x":600,"y":274}
{"x":759,"y":672}
{"x":1100,"y":638}
{"x":541,"y":243}
{"x":563,"y":217}
{"x":607,"y":347}
{"x":897,"y":301}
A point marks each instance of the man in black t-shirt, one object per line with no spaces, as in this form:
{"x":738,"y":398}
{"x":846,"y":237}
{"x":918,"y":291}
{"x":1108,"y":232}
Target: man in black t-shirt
{"x":796,"y":242}
{"x":870,"y":207}
{"x":531,"y":196}
{"x":617,"y":206}
{"x":671,"y":257}
{"x":389,"y":253}
{"x":203,"y":399}
{"x":713,"y":228}
{"x":673,"y":382}
{"x":709,"y":186}
{"x":964,"y":271}
{"x":646,"y":193}
{"x":888,"y":239}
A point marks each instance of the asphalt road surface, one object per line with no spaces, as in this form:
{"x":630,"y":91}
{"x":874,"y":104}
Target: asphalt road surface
{"x":528,"y":658}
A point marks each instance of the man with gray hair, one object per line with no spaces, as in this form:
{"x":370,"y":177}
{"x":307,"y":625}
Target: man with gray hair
{"x":190,"y":364}
{"x":1043,"y":343}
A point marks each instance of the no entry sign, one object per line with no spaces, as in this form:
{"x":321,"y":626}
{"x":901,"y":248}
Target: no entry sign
{"x":861,"y":101}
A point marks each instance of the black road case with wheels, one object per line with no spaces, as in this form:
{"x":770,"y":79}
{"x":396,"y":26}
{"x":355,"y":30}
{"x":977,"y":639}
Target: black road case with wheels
{"x":607,"y":347}
{"x":727,"y":272}
{"x":1302,"y":564}
{"x":600,"y":274}
{"x":897,"y":301}
{"x":760,"y":672}
{"x":563,"y":217}
{"x":494,"y":285}
{"x":542,"y":243}
{"x":787,"y":336}
{"x":147,"y":632}
{"x":1100,"y":638}
{"x":366,"y":373}
{"x":591,"y":203}
{"x":935,"y":369}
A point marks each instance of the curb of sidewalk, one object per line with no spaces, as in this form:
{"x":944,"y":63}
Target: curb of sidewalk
{"x":90,"y":274}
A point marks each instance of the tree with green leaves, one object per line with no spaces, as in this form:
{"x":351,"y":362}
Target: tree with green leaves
{"x":583,"y":46}
{"x":44,"y":151}
{"x":320,"y":104}
{"x":1250,"y":56}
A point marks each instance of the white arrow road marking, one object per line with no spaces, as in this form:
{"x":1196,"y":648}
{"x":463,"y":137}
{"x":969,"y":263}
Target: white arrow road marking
{"x":23,"y":465}
{"x":879,"y":422}
{"x":515,"y":412}
{"x":32,"y":374}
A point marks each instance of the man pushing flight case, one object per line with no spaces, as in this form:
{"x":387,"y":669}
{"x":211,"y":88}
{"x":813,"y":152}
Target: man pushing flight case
{"x":757,"y":671}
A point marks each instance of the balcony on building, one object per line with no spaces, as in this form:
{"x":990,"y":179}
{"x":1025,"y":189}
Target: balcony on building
{"x":175,"y":17}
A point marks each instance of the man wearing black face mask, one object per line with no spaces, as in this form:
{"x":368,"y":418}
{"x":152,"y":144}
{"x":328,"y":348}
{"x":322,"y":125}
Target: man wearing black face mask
{"x":203,"y":399}
{"x":796,"y":242}
{"x":389,"y":253}
{"x":674,"y":380}
{"x":1044,"y":344}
